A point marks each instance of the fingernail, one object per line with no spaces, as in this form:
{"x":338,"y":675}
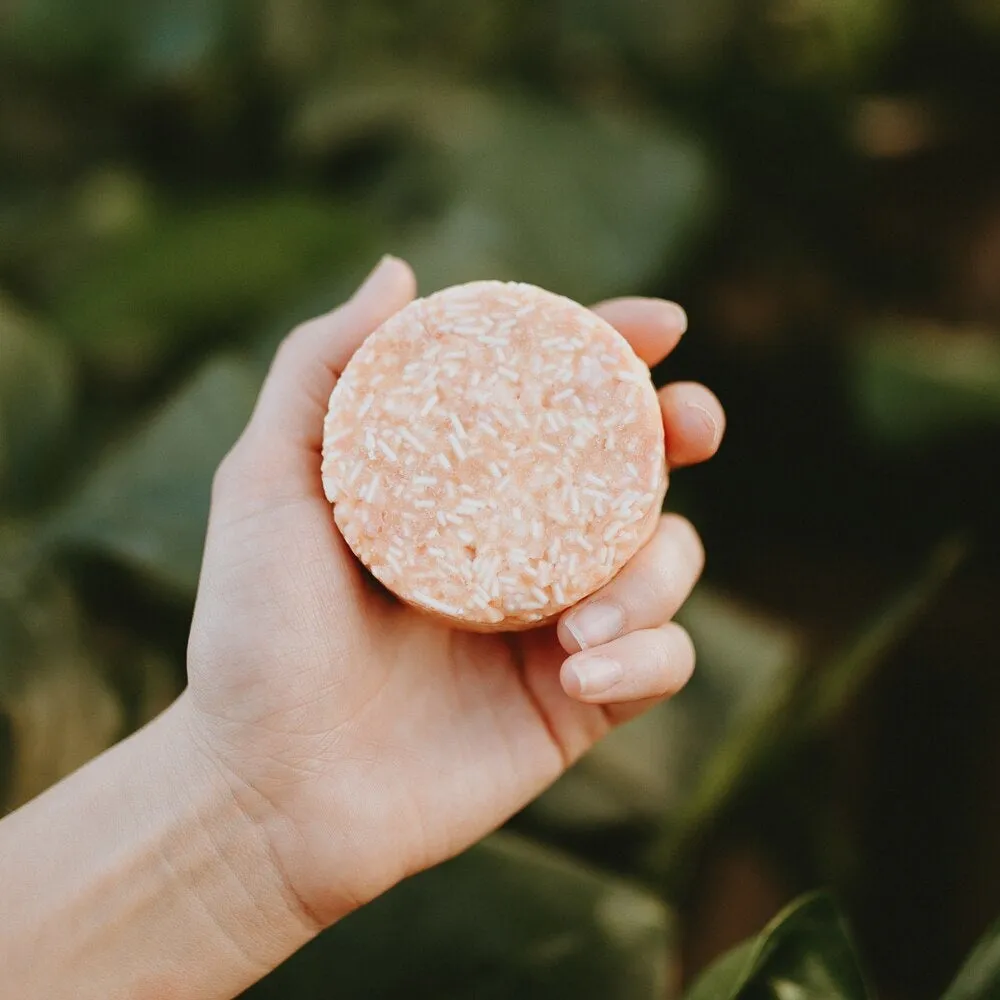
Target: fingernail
{"x":595,"y":674}
{"x":700,"y":421}
{"x":594,"y":624}
{"x":678,"y":316}
{"x":376,"y":275}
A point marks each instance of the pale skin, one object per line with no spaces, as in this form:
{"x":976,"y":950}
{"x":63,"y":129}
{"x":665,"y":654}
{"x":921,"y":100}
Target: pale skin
{"x":331,"y":741}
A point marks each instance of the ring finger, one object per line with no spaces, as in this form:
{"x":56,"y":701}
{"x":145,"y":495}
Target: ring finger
{"x":647,"y":592}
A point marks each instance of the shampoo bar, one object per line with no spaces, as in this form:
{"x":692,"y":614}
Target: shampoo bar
{"x":494,"y":453}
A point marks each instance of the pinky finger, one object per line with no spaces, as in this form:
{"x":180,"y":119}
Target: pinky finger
{"x":630,"y":673}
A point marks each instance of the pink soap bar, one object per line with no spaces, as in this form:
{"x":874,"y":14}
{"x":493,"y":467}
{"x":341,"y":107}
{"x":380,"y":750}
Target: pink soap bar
{"x":494,"y":453}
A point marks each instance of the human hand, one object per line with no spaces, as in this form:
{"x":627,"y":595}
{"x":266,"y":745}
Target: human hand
{"x":365,"y":740}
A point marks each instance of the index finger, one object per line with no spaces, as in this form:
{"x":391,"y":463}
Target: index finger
{"x":652,"y":326}
{"x":297,"y":389}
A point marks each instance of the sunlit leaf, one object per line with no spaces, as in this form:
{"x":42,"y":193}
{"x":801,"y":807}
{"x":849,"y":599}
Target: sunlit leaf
{"x":146,"y":503}
{"x":979,"y":978}
{"x":36,"y":399}
{"x":586,"y":204}
{"x":505,"y":919}
{"x":805,"y":953}
{"x":204,"y":272}
{"x":915,"y":382}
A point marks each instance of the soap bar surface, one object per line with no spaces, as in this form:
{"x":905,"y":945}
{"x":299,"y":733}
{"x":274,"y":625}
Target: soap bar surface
{"x":494,"y":453}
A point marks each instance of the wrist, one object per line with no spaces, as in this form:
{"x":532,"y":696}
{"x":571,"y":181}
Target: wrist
{"x":141,"y":875}
{"x":219,"y":849}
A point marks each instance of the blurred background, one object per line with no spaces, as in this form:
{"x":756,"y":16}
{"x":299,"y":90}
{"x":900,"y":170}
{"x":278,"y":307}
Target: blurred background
{"x":817,"y":181}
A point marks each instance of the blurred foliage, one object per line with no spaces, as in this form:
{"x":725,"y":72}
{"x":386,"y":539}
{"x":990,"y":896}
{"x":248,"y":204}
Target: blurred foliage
{"x":36,"y":400}
{"x":462,"y":930}
{"x":979,"y":978}
{"x":797,"y":707}
{"x":817,"y":180}
{"x":806,"y":948}
{"x":146,"y":503}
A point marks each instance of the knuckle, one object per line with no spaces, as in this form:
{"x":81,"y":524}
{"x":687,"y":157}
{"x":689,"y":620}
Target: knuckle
{"x":288,"y":346}
{"x":654,"y":588}
{"x":672,"y":641}
{"x":681,"y":653}
{"x":671,"y":659}
{"x":228,"y":473}
{"x":685,"y":644}
{"x":685,"y":537}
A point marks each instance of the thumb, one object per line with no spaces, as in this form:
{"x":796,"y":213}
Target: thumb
{"x":287,"y":423}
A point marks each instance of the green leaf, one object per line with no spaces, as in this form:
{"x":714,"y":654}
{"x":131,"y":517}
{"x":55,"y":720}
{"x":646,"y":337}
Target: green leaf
{"x":37,"y":388}
{"x":918,"y":382}
{"x":589,"y":206}
{"x":586,"y":204}
{"x":800,"y":706}
{"x":805,"y":953}
{"x":979,"y":978}
{"x":208,"y":271}
{"x":505,"y":919}
{"x":146,"y":503}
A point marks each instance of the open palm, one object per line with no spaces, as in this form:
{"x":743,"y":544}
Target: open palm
{"x":367,"y":740}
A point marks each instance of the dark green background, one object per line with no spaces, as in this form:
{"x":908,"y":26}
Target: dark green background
{"x":817,"y":181}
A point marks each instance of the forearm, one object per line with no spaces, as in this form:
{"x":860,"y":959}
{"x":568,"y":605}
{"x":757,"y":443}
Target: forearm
{"x":140,"y":876}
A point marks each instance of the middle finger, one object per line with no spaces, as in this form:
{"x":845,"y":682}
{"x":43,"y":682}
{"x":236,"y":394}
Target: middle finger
{"x":646,"y":593}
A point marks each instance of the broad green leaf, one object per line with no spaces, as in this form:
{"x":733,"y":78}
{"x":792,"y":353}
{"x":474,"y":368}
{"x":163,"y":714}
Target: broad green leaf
{"x":146,"y":503}
{"x":586,"y":204}
{"x":979,"y":978}
{"x":56,"y":704}
{"x":717,"y":981}
{"x":505,"y":919}
{"x":805,"y":953}
{"x":36,"y":398}
{"x":644,"y":771}
{"x":207,"y":271}
{"x":914,"y":383}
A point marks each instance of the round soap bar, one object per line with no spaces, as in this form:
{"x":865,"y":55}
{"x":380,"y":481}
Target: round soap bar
{"x":494,"y":453}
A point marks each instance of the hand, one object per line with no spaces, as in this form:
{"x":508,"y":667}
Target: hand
{"x":365,"y":740}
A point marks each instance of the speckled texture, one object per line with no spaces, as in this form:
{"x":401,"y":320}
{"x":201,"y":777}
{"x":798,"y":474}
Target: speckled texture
{"x":494,"y":454}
